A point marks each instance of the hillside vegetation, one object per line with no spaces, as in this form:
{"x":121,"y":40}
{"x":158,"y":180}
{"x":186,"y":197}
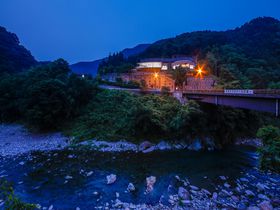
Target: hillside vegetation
{"x":246,"y":57}
{"x":13,"y":56}
{"x":50,"y":97}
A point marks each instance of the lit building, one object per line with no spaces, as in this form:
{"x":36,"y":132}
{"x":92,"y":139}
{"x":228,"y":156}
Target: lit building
{"x":164,"y":64}
{"x":155,"y":74}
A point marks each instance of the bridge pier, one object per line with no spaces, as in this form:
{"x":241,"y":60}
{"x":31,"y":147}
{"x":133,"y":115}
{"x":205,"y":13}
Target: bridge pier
{"x":277,"y":108}
{"x":216,"y":100}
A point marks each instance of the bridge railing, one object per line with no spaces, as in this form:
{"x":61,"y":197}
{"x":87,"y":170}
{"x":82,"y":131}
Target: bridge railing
{"x":237,"y":91}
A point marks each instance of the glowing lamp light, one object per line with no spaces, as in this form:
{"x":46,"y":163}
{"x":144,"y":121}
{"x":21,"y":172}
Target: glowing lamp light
{"x":156,"y":75}
{"x":199,"y":72}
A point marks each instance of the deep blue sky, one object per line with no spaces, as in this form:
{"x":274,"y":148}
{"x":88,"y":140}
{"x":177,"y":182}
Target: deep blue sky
{"x":80,"y":30}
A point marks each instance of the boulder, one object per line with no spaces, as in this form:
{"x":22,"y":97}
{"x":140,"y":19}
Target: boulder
{"x":90,"y":173}
{"x":261,"y":187}
{"x":227,"y":185}
{"x":253,"y":208}
{"x":111,"y":178}
{"x":163,"y":145}
{"x":183,"y":193}
{"x":150,"y":149}
{"x":130,"y":187}
{"x":194,"y":187}
{"x":223,"y":178}
{"x":263,"y":197}
{"x":145,"y":145}
{"x":249,"y":193}
{"x":151,"y":180}
{"x":68,"y":177}
{"x":265,"y":205}
{"x":215,"y":196}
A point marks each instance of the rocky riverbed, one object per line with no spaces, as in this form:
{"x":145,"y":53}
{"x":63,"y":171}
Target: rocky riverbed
{"x":123,"y":175}
{"x":16,"y":140}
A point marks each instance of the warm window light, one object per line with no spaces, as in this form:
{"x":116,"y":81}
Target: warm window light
{"x":156,"y":75}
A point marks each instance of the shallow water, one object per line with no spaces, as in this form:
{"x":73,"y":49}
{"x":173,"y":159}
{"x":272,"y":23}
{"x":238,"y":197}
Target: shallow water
{"x":41,"y":179}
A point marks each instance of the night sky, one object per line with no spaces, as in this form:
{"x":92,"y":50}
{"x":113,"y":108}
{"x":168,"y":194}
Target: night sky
{"x":82,"y":30}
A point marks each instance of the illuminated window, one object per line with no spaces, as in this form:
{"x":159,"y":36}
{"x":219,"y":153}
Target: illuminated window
{"x":164,"y":67}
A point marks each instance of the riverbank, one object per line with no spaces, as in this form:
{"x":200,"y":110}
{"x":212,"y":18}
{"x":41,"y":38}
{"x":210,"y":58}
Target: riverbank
{"x":17,"y":140}
{"x":183,"y":178}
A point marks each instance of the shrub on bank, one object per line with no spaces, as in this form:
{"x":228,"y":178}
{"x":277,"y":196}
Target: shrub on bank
{"x":11,"y":200}
{"x":270,"y":152}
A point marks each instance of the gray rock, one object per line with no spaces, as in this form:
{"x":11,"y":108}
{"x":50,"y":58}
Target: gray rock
{"x":145,"y":145}
{"x":130,"y":187}
{"x":163,"y":145}
{"x":249,"y":193}
{"x":68,"y":177}
{"x":151,"y":180}
{"x":111,"y":178}
{"x":90,"y":173}
{"x":265,"y":205}
{"x":244,"y":180}
{"x":226,"y":192}
{"x":253,"y":208}
{"x":215,"y":196}
{"x":261,"y":187}
{"x":227,"y":185}
{"x":150,"y":149}
{"x":183,"y":193}
{"x":263,"y":197}
{"x":194,"y":187}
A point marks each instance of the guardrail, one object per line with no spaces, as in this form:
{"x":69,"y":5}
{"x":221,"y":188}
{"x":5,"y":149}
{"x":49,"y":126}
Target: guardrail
{"x":237,"y":91}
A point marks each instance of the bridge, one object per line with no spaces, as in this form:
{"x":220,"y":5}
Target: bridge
{"x":258,"y":100}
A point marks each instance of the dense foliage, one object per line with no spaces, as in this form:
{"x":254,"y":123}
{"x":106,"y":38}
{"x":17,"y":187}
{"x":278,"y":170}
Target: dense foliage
{"x":44,"y":97}
{"x":13,"y":56}
{"x":50,"y":97}
{"x":270,"y":152}
{"x":11,"y":201}
{"x":118,"y":115}
{"x":246,"y":57}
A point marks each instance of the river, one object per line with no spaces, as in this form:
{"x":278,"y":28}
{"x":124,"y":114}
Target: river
{"x":69,"y":178}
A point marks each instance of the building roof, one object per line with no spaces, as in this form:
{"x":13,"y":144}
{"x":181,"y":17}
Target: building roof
{"x":168,"y":60}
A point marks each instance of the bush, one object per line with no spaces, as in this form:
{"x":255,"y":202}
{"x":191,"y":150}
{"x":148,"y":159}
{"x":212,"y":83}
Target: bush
{"x":270,"y":152}
{"x":11,"y":200}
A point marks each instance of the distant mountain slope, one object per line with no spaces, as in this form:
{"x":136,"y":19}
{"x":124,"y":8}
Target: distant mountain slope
{"x":13,"y":56}
{"x":254,"y":38}
{"x":91,"y":67}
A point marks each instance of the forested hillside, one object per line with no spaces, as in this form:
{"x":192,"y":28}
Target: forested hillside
{"x":246,"y":57}
{"x":13,"y":56}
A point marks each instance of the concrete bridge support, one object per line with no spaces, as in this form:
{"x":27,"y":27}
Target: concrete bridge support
{"x":264,"y":104}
